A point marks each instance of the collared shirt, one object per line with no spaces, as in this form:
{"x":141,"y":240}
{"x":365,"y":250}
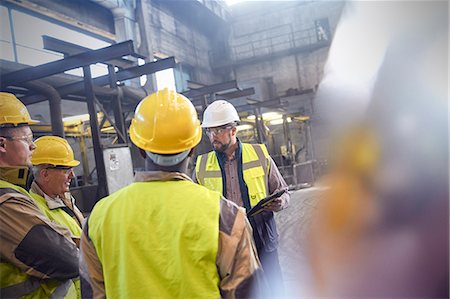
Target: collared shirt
{"x":232,"y":187}
{"x":67,"y":204}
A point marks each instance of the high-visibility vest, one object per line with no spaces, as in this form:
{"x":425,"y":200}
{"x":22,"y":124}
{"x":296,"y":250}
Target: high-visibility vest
{"x":158,"y":239}
{"x":255,"y":168}
{"x":57,"y":215}
{"x":14,"y":283}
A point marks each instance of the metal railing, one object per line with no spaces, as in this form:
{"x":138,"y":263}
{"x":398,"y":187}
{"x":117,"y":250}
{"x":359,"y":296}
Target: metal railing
{"x":270,"y":42}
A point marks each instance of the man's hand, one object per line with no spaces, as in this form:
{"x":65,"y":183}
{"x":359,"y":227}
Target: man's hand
{"x":275,"y":206}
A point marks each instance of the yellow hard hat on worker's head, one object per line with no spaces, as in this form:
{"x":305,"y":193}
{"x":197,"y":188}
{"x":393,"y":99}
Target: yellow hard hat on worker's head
{"x":165,"y":123}
{"x":13,"y":112}
{"x":53,"y":150}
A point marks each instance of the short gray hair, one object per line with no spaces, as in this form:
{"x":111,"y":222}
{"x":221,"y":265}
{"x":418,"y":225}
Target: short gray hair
{"x":36,"y":169}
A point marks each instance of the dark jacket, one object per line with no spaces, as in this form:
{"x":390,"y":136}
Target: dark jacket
{"x":264,"y":227}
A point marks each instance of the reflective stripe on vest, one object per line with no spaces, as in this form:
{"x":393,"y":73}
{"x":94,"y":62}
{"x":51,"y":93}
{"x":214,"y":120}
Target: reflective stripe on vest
{"x":17,"y":284}
{"x":62,"y":290}
{"x":255,"y":167}
{"x":14,"y":283}
{"x":20,"y":289}
{"x":158,"y":239}
{"x":57,"y":215}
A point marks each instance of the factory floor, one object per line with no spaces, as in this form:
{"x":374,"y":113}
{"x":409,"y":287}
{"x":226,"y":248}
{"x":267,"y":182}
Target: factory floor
{"x":293,"y":224}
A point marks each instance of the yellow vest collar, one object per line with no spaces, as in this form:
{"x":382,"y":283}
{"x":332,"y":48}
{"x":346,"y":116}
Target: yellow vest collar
{"x":15,"y":175}
{"x":148,"y":176}
{"x":52,"y":203}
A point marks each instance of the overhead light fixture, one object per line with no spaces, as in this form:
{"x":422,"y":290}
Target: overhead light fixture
{"x":244,"y":127}
{"x":302,"y":118}
{"x":267,"y":116}
{"x":279,"y":121}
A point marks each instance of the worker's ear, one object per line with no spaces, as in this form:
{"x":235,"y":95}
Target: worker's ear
{"x":233,"y":130}
{"x":43,"y":173}
{"x":2,"y":145}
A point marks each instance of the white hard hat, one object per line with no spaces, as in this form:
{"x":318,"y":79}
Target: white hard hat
{"x":219,"y":113}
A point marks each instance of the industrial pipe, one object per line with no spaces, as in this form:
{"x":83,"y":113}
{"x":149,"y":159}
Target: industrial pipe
{"x":54,"y":100}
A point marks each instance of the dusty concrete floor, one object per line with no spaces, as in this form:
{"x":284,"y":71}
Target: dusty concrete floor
{"x":293,"y":224}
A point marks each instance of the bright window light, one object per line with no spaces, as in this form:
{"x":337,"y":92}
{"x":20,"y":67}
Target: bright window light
{"x":29,"y":44}
{"x":231,"y":2}
{"x":143,"y":78}
{"x":165,"y":79}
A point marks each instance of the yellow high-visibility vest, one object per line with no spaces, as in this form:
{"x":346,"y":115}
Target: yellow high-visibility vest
{"x":158,"y":239}
{"x":255,"y":168}
{"x":15,"y":283}
{"x":57,"y":215}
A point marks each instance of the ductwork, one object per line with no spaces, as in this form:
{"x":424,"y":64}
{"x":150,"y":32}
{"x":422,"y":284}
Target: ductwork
{"x":54,"y":100}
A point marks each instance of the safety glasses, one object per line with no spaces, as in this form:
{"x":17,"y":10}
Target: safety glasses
{"x":217,"y":131}
{"x":65,"y":169}
{"x":27,"y":138}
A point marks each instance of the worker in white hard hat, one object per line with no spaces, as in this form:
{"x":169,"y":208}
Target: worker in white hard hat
{"x":164,"y":236}
{"x":245,"y":174}
{"x":38,"y":257}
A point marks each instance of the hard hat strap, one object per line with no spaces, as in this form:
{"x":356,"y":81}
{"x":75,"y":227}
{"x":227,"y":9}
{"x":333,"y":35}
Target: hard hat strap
{"x":167,"y":160}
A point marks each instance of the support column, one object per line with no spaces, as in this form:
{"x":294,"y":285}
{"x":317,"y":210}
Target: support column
{"x":102,"y":190}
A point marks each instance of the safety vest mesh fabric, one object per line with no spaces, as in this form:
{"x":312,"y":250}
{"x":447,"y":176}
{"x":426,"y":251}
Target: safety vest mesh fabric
{"x":255,"y":168}
{"x":14,"y":283}
{"x":57,"y":215}
{"x":158,"y":239}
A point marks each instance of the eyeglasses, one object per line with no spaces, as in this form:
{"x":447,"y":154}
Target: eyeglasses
{"x":27,"y":138}
{"x":65,"y":169}
{"x":217,"y":131}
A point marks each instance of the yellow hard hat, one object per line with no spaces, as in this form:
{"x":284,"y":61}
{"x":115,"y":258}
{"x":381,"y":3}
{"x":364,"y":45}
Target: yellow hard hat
{"x":13,"y":111}
{"x":53,"y":150}
{"x":165,"y":122}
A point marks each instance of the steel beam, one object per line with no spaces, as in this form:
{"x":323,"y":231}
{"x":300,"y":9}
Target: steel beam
{"x":211,"y":89}
{"x":68,"y":63}
{"x":105,"y":113}
{"x":275,"y":103}
{"x":68,"y":49}
{"x":117,"y":107}
{"x":237,"y":94}
{"x":227,"y":96}
{"x":102,"y":190}
{"x":148,"y":68}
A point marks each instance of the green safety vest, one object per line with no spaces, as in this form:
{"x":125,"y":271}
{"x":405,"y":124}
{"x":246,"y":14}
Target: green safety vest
{"x":255,"y":167}
{"x":14,"y":283}
{"x":158,"y":239}
{"x":57,"y":215}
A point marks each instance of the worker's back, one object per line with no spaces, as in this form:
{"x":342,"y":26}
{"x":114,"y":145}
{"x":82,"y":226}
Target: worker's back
{"x":158,"y":239}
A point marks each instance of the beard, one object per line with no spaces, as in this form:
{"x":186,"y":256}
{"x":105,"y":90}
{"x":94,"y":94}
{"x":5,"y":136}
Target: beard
{"x":220,"y":147}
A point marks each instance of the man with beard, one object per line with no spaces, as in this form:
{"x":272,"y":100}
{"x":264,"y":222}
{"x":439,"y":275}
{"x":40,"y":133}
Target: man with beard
{"x":245,"y":174}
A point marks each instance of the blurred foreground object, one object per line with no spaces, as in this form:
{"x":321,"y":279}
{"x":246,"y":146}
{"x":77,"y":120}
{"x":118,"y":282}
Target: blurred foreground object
{"x":382,"y":229}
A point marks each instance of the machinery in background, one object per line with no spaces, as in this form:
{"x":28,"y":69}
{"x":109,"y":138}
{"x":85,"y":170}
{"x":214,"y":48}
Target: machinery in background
{"x":288,"y":138}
